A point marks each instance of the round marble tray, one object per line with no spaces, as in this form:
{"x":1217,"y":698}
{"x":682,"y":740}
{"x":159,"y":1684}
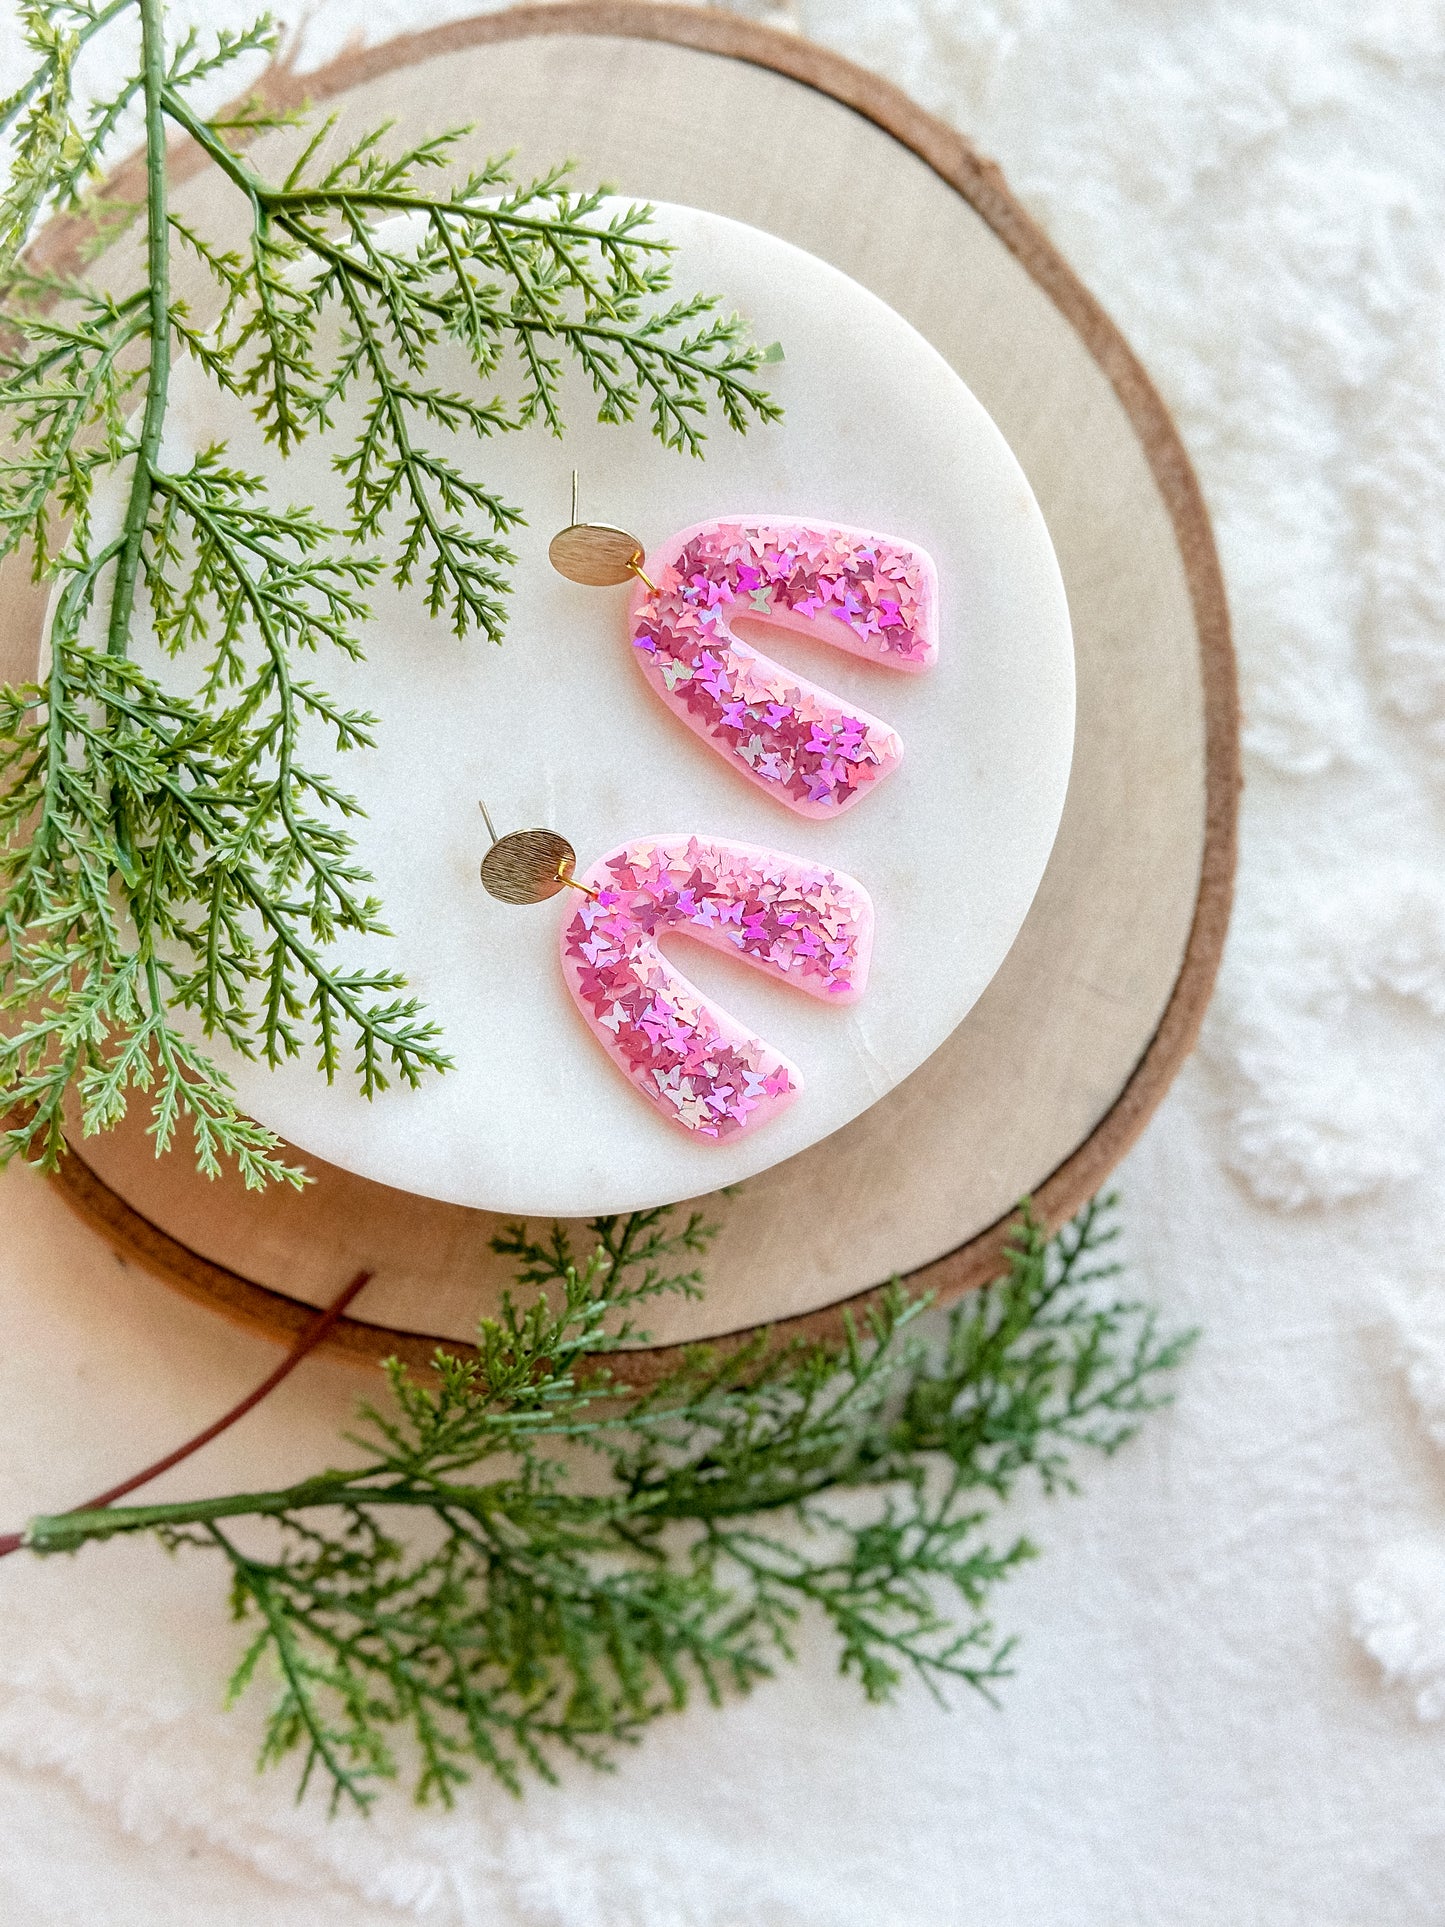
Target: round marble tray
{"x":1055,"y":1070}
{"x":558,"y":728}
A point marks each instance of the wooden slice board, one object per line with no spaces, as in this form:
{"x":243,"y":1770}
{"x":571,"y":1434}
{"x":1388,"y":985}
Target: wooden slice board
{"x":1055,"y":1071}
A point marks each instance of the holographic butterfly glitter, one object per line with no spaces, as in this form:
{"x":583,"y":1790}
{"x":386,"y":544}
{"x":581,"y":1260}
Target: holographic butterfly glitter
{"x":801,"y":923}
{"x":863,"y":593}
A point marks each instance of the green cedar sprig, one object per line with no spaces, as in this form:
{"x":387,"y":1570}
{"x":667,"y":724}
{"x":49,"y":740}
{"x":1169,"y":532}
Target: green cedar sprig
{"x":591,"y":1558}
{"x":175,"y":864}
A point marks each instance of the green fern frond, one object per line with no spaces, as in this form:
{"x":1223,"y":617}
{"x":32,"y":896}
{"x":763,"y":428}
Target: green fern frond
{"x":594,"y":1558}
{"x":175,"y":870}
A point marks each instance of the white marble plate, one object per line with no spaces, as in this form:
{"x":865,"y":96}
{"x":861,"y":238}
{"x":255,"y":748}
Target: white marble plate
{"x":557,"y":728}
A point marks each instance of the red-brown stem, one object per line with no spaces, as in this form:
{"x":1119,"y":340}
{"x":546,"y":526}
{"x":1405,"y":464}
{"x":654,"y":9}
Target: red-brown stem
{"x":314,"y":1333}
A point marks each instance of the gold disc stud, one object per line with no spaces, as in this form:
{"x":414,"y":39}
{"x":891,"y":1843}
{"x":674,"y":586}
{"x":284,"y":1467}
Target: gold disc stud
{"x":595,"y":554}
{"x":528,"y":866}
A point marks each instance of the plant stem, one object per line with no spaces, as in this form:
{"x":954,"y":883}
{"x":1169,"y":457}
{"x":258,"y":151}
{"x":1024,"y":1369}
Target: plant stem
{"x":68,"y":1531}
{"x":153,"y":55}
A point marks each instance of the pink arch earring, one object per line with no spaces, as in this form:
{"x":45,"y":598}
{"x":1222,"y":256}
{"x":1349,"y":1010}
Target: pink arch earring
{"x":867,"y":594}
{"x":794,"y":920}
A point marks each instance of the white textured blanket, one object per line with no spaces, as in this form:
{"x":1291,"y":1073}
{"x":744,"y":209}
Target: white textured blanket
{"x":1232,"y":1672}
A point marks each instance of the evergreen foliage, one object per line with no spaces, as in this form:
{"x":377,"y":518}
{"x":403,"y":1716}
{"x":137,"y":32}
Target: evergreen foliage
{"x":584,"y":1558}
{"x":162,"y":854}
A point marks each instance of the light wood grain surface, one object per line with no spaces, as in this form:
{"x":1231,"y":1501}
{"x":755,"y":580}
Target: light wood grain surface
{"x":1059,"y":1065}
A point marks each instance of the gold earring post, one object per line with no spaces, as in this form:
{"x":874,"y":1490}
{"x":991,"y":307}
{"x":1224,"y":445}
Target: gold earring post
{"x":595,"y":554}
{"x":528,"y":866}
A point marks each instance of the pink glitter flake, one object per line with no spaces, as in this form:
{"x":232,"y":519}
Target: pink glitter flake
{"x":864,"y":593}
{"x":803,"y":924}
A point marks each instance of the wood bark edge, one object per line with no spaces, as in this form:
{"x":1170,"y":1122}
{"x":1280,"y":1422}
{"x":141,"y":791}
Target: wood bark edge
{"x":982,"y":185}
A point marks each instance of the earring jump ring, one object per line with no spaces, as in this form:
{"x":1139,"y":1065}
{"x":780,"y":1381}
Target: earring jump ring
{"x":565,"y":867}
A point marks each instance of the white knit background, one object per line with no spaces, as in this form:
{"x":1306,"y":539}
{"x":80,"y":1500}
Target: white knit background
{"x":1231,"y":1698}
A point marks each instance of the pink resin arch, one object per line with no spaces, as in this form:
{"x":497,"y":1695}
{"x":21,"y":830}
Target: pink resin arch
{"x":864,"y":593}
{"x":803,"y":924}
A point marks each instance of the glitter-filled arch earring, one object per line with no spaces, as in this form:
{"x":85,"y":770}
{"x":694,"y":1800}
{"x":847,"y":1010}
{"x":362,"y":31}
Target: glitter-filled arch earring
{"x":795,"y":920}
{"x":870,"y":595}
